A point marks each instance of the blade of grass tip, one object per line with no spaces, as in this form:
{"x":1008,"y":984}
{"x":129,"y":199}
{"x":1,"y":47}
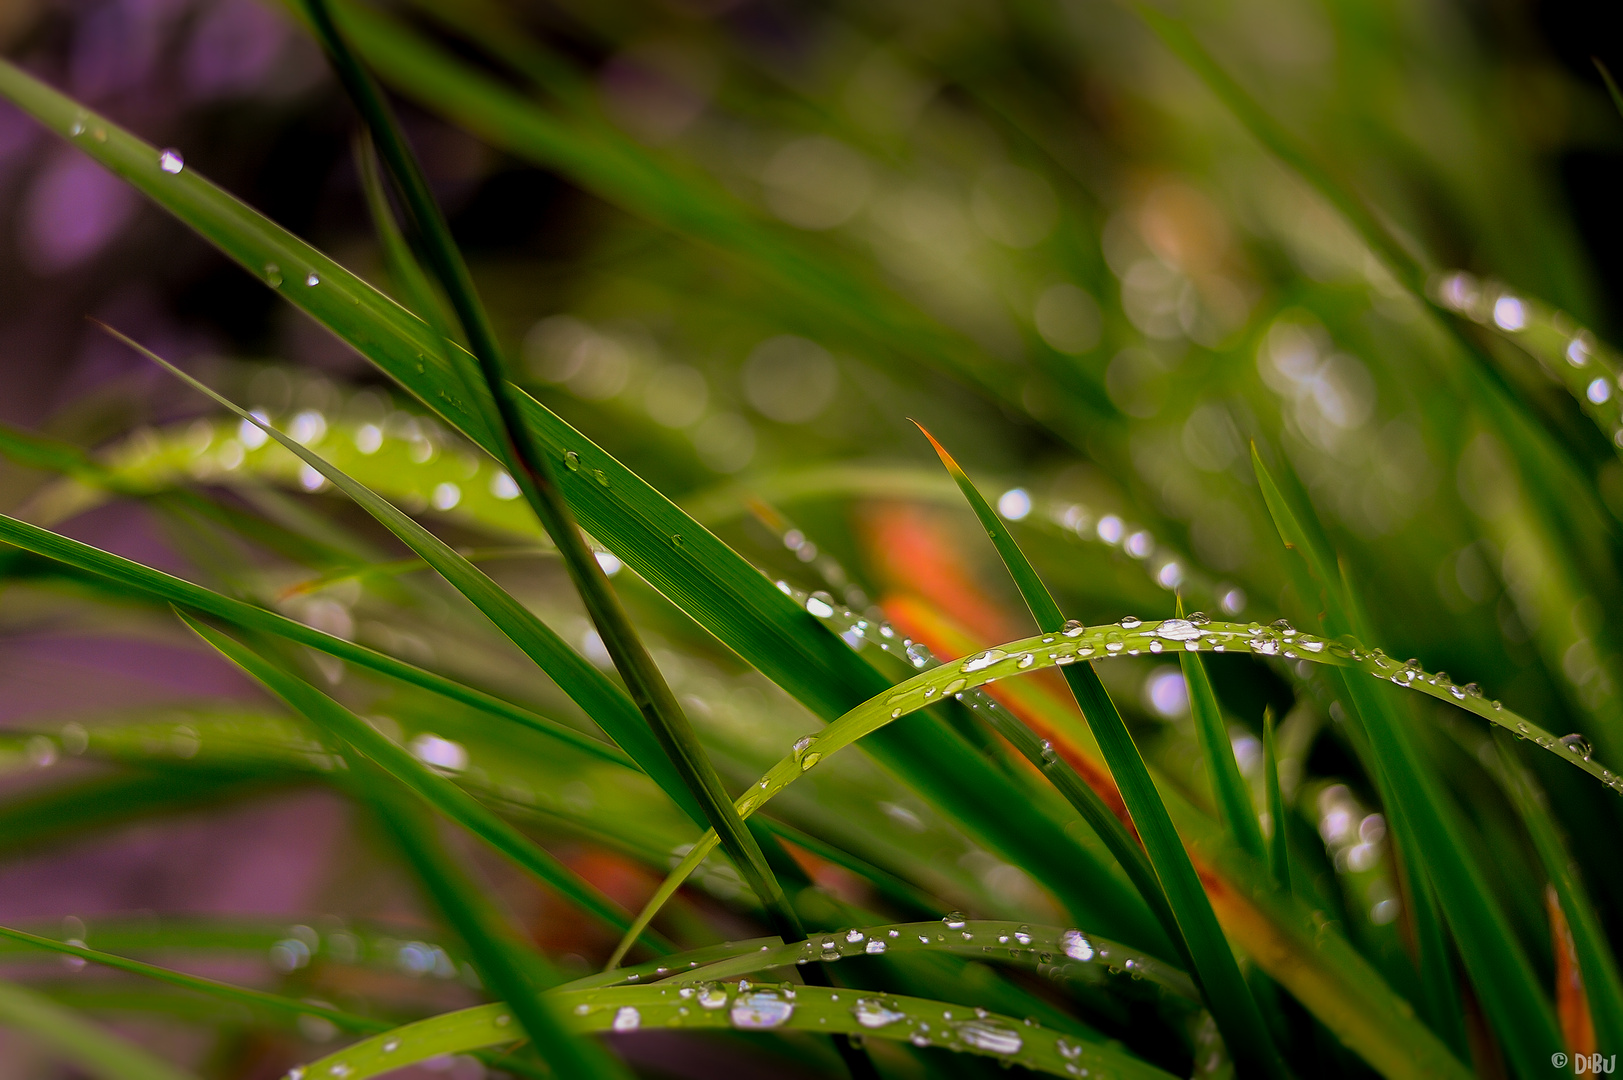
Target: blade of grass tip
{"x":1601,"y":981}
{"x":501,"y":962}
{"x":1611,"y":84}
{"x":589,"y":688}
{"x":338,"y":722}
{"x":1211,"y":959}
{"x":88,"y":1046}
{"x":1094,"y":810}
{"x":1278,"y":848}
{"x":1499,"y":968}
{"x":533,"y":473}
{"x":1234,"y":807}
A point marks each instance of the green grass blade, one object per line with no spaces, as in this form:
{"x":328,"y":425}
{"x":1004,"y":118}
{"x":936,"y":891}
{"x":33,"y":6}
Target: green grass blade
{"x":1228,"y":786}
{"x":1224,"y":988}
{"x":98,"y":1053}
{"x":528,"y":464}
{"x":1503,"y":976}
{"x":457,"y":805}
{"x":500,"y":960}
{"x":345,"y":1021}
{"x":604,"y":702}
{"x":155,"y":585}
{"x":684,"y":561}
{"x":1611,"y":84}
{"x":761,"y":1008}
{"x":1602,"y":984}
{"x":1278,"y":848}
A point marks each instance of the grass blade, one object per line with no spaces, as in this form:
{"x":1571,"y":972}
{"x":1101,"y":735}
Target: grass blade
{"x":1602,"y":985}
{"x":155,"y":585}
{"x":604,"y":702}
{"x":1503,"y":976}
{"x":1278,"y":847}
{"x":500,"y":960}
{"x":450,"y":800}
{"x":86,"y":1045}
{"x":534,"y":473}
{"x":814,"y":1009}
{"x":686,"y":562}
{"x":1211,"y":959}
{"x":1228,"y":787}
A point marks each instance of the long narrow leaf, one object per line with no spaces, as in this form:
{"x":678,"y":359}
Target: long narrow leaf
{"x":450,"y":800}
{"x":89,"y":1047}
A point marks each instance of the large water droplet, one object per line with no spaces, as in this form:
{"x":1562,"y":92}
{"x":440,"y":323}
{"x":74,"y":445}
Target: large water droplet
{"x":273,"y":275}
{"x":818,"y":604}
{"x":712,"y":996}
{"x":991,"y":1038}
{"x":759,"y":1010}
{"x":627,"y":1019}
{"x":981,"y":661}
{"x":1076,"y":945}
{"x":873,"y":1014}
{"x":170,"y":161}
{"x":1575,"y":744}
{"x":1178,"y":630}
{"x":1074,"y":627}
{"x":954,"y":920}
{"x":1131,"y":622}
{"x":572,"y":461}
{"x":874,"y":947}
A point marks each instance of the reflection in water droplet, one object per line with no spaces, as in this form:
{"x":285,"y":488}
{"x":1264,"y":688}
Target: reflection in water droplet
{"x":873,"y":1014}
{"x":759,"y":1010}
{"x":170,"y":161}
{"x":712,"y":997}
{"x":874,"y":947}
{"x":991,"y":1038}
{"x":983,"y":660}
{"x":954,"y":920}
{"x":312,"y":279}
{"x":1076,"y":945}
{"x":627,"y":1019}
{"x":273,"y":275}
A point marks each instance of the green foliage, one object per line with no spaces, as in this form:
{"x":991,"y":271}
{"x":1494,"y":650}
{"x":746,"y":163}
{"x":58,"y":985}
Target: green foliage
{"x":562,"y":604}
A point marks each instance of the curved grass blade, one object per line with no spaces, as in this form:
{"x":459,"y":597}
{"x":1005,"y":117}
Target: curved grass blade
{"x":731,"y":1008}
{"x":1008,"y":942}
{"x":589,"y":688}
{"x":528,"y":465}
{"x":701,"y":575}
{"x":501,"y":961}
{"x":450,"y":800}
{"x":1502,"y":975}
{"x":89,"y":1047}
{"x":1278,"y":847}
{"x":1602,"y":984}
{"x":1210,"y":957}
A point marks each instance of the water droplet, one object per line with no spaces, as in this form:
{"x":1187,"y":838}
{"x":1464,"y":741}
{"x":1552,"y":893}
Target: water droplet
{"x":954,"y":920}
{"x":1200,"y":618}
{"x":820,"y":604}
{"x":854,"y":936}
{"x":340,"y":1069}
{"x":1131,"y":622}
{"x":1178,"y":630}
{"x":503,"y":1020}
{"x":1022,"y":934}
{"x":391,"y":1046}
{"x":953,"y":687}
{"x":1266,"y":646}
{"x":759,"y":1010}
{"x":627,"y":1019}
{"x":1026,"y":661}
{"x":1074,"y":627}
{"x":992,"y":1038}
{"x":712,"y":996}
{"x":273,"y":275}
{"x":170,"y":161}
{"x":873,"y":1014}
{"x":78,"y":127}
{"x":981,"y":661}
{"x":1068,"y":1050}
{"x":1076,"y":945}
{"x":1284,"y":627}
{"x":571,"y":461}
{"x":1113,"y":642}
{"x":312,"y":279}
{"x":874,"y":947}
{"x":809,"y":760}
{"x":1575,"y":744}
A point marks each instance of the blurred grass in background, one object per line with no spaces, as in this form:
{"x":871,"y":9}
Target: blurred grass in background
{"x":739,"y":246}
